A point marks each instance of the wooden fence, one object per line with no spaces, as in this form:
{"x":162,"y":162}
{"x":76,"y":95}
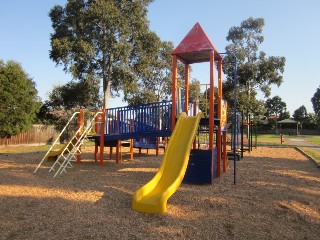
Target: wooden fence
{"x":39,"y":134}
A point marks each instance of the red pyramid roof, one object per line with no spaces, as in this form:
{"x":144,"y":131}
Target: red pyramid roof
{"x":196,"y":46}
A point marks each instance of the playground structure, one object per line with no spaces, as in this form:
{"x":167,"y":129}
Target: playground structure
{"x":184,"y":160}
{"x":142,"y":125}
{"x":243,"y":134}
{"x":181,"y":163}
{"x":153,"y":196}
{"x":204,"y":164}
{"x":71,"y":150}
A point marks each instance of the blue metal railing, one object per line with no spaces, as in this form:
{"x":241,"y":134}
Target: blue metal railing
{"x":152,"y":117}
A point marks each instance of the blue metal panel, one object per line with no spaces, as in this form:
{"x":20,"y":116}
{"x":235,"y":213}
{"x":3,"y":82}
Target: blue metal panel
{"x":202,"y":167}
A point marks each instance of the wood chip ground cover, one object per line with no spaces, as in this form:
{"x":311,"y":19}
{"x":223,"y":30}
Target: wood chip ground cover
{"x":277,"y":196}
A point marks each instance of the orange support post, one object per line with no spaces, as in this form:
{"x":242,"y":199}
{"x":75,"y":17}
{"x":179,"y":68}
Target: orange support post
{"x":96,"y":129}
{"x":80,"y":126}
{"x":219,"y":116}
{"x":102,"y":129}
{"x":225,"y":161}
{"x":186,"y":88}
{"x":157,"y":146}
{"x":194,"y":114}
{"x":118,"y":152}
{"x":211,"y":101}
{"x":131,"y":140}
{"x":131,"y":148}
{"x":110,"y":153}
{"x":174,"y":91}
{"x":96,"y":149}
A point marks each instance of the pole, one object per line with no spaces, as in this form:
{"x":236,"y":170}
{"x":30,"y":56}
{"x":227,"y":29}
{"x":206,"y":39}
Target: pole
{"x":234,"y":113}
{"x":234,"y":118}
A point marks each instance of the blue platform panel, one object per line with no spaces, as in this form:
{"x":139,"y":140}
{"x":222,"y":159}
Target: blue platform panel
{"x":202,"y":167}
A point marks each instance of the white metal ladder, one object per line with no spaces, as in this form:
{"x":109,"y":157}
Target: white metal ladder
{"x":72,"y":148}
{"x":56,"y":142}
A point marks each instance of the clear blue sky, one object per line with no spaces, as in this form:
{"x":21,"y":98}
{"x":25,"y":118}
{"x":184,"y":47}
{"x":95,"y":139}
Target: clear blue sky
{"x":291,"y":30}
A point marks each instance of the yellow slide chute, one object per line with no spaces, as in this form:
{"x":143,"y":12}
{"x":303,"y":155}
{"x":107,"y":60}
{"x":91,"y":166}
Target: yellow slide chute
{"x":54,"y":154}
{"x":153,"y":196}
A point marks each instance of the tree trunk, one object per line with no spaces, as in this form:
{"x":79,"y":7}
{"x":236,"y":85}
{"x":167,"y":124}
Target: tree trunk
{"x":106,"y":94}
{"x":107,"y":76}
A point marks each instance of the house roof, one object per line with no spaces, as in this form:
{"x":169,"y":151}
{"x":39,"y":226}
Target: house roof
{"x":196,"y":47}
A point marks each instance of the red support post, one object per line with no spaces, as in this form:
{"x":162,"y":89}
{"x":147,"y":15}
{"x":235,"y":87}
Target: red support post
{"x":219,"y":116}
{"x":110,"y":153}
{"x":211,"y":101}
{"x":157,"y":146}
{"x":80,"y":127}
{"x":118,"y":151}
{"x":102,"y":132}
{"x":96,"y":147}
{"x":131,"y":140}
{"x":131,"y":148}
{"x":186,"y":88}
{"x":225,"y":160}
{"x":194,"y":114}
{"x":174,"y":91}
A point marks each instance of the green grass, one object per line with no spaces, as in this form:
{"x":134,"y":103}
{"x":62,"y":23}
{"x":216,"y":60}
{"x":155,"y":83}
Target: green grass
{"x":269,"y":138}
{"x":13,"y":149}
{"x":24,"y":148}
{"x":275,"y":139}
{"x":314,"y":140}
{"x":315,"y":155}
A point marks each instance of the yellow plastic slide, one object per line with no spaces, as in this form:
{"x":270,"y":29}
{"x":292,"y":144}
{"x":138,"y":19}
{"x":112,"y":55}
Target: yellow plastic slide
{"x":153,"y":197}
{"x":53,"y":154}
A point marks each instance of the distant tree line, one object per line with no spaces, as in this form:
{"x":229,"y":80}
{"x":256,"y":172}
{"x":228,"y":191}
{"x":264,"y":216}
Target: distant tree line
{"x":278,"y":109}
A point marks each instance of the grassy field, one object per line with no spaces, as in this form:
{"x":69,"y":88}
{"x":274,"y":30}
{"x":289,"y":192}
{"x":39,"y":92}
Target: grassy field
{"x":315,"y":155}
{"x":274,"y":140}
{"x":14,"y":149}
{"x":268,"y":138}
{"x":314,"y":139}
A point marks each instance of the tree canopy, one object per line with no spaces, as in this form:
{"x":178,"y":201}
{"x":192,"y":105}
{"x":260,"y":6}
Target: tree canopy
{"x":256,"y":72}
{"x":108,"y":38}
{"x":19,"y":102}
{"x":300,"y":114}
{"x":275,"y":106}
{"x":82,"y":94}
{"x":308,"y":120}
{"x":316,"y":102}
{"x":155,"y":84}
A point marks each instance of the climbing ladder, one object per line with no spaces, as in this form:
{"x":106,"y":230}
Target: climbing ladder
{"x":69,"y":152}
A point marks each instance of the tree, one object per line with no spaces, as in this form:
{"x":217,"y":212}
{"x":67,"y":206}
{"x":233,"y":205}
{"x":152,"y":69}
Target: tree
{"x":311,"y":121}
{"x":275,"y":106}
{"x":256,"y":72}
{"x":82,"y":94}
{"x":19,"y":102}
{"x":308,"y":120}
{"x":195,"y":94}
{"x":300,"y":114}
{"x":284,"y":115}
{"x":109,"y":38}
{"x":155,"y":83}
{"x":316,"y":102}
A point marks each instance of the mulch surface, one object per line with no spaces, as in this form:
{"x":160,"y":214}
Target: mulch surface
{"x":276,"y":196}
